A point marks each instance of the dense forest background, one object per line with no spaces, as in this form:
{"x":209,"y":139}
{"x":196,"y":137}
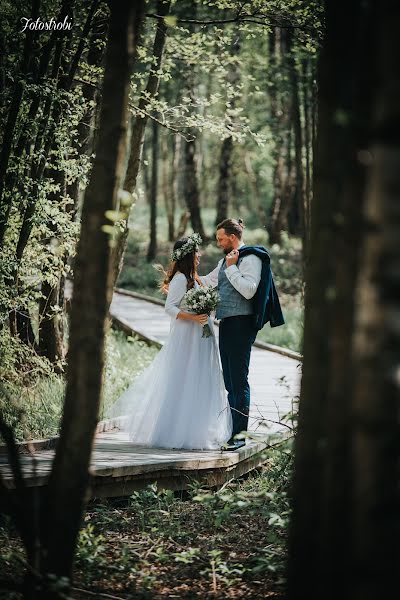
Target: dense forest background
{"x":224,"y":111}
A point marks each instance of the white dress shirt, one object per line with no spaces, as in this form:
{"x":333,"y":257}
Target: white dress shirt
{"x":244,"y":278}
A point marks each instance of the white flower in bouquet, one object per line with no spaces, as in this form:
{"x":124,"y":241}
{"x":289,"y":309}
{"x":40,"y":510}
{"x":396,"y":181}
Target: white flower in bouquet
{"x":202,"y":300}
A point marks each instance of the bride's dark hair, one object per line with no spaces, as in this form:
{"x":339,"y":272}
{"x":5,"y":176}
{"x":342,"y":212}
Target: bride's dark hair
{"x":185,"y":265}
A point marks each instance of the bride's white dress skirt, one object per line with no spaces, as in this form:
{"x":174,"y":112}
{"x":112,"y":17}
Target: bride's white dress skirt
{"x":179,"y":401}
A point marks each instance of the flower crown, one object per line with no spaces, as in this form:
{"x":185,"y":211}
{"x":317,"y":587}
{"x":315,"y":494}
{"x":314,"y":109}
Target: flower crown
{"x":193,"y":243}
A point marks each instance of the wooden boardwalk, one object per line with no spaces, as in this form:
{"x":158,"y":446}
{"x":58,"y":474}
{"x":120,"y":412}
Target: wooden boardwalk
{"x":274,"y":377}
{"x":118,"y":467}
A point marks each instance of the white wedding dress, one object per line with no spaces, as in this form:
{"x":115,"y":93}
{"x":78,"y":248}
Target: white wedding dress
{"x":179,"y":401}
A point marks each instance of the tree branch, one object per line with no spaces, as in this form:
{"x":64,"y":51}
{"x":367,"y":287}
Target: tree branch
{"x":264,"y":21}
{"x":162,"y":123}
{"x":82,"y":42}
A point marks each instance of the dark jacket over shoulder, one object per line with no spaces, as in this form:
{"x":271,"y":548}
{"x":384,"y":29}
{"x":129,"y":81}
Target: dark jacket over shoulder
{"x":266,"y":303}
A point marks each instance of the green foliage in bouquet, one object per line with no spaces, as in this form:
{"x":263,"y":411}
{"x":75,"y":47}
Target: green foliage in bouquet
{"x":202,"y":300}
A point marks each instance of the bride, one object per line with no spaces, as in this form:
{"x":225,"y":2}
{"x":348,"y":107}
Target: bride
{"x":179,"y":401}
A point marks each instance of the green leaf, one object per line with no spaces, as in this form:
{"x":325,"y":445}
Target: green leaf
{"x":171,"y":21}
{"x":109,"y":229}
{"x":114,"y":215}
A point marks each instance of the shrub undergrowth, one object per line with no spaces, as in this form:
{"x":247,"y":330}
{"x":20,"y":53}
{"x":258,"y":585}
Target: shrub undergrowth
{"x":33,"y":394}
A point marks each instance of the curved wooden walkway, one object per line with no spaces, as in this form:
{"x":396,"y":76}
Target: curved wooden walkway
{"x":119,"y":467}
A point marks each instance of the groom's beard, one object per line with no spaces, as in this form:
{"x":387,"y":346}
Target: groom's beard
{"x":227,"y":250}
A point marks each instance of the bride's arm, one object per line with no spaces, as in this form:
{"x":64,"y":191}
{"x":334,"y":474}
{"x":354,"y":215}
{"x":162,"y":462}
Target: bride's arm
{"x":185,"y":316}
{"x":176,"y":291}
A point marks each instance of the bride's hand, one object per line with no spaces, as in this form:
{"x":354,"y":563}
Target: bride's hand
{"x":202,"y":319}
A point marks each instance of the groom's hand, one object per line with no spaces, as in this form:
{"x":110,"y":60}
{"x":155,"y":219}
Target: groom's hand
{"x":232,"y":258}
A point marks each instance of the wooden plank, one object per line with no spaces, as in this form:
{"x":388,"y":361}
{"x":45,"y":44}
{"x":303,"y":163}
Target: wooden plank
{"x":115,"y":457}
{"x":174,"y":479}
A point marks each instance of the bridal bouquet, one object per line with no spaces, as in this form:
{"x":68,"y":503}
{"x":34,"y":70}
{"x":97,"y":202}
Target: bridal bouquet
{"x":202,"y":300}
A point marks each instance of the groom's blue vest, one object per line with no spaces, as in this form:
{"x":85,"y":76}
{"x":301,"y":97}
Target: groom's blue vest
{"x":231,"y":303}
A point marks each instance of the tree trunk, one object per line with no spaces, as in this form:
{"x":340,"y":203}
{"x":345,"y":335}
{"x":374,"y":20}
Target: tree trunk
{"x":307,"y":84}
{"x":256,"y":195}
{"x":375,"y":408}
{"x":5,"y":201}
{"x":3,"y":52}
{"x":152,"y":249}
{"x":225,"y":161}
{"x":43,"y":143}
{"x":140,"y":121}
{"x":45,"y":138}
{"x":91,"y":93}
{"x":281,"y":112}
{"x":180,"y":172}
{"x":51,"y":342}
{"x":139,"y":126}
{"x":169,"y":199}
{"x":375,"y":443}
{"x":274,"y":227}
{"x":283,"y":188}
{"x":178,"y":185}
{"x":173,"y":180}
{"x":223,"y":182}
{"x":296,"y":213}
{"x":51,"y":325}
{"x":23,"y":142}
{"x":64,"y":502}
{"x":191,"y":188}
{"x":314,"y":107}
{"x":183,"y":223}
{"x":321,"y":526}
{"x":190,"y":182}
{"x":145,"y":170}
{"x":21,"y":326}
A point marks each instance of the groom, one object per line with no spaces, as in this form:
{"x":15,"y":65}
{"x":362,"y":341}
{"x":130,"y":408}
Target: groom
{"x":248,"y":300}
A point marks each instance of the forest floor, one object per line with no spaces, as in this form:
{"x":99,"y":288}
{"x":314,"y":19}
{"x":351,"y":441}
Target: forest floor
{"x":195,"y":544}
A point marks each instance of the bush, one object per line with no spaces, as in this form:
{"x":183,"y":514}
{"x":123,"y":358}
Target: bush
{"x":289,"y":335}
{"x":126,"y":358}
{"x":33,"y":404}
{"x":287,"y":267}
{"x":142,"y":277}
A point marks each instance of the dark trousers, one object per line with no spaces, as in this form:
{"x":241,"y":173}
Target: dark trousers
{"x":236,"y":337}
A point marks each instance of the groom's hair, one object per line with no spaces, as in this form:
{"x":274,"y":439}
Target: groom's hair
{"x":232,"y":227}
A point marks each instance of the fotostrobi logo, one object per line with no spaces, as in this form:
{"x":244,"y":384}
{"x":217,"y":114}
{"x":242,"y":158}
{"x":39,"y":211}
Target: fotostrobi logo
{"x":52,"y":24}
